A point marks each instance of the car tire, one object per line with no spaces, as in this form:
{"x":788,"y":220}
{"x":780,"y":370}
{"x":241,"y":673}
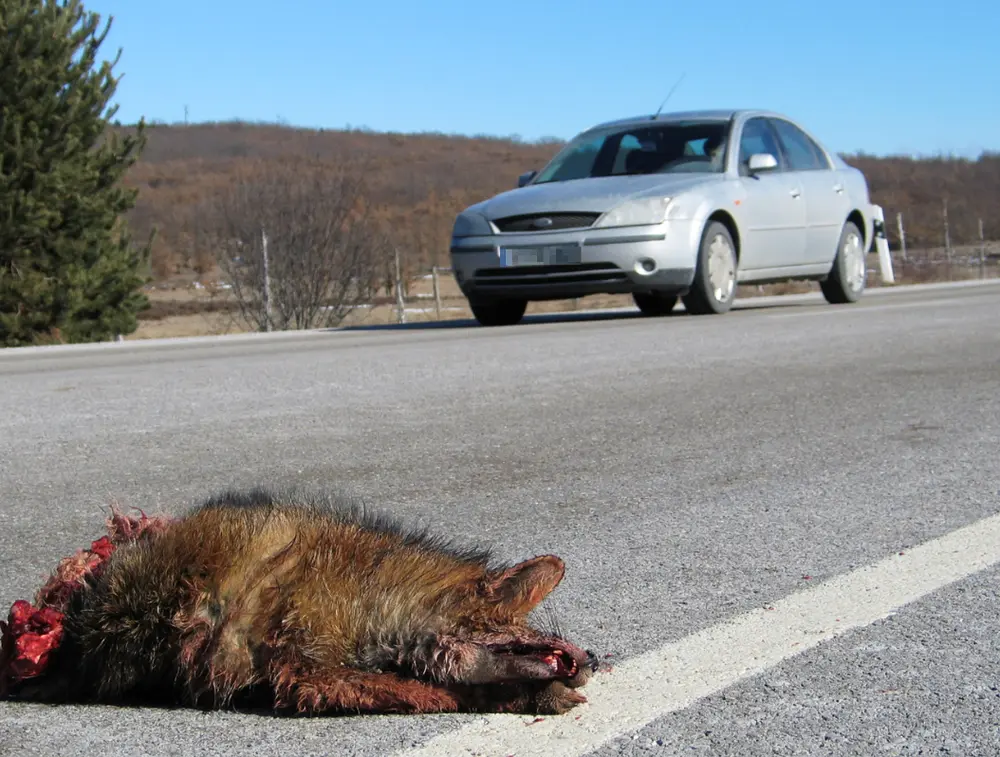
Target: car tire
{"x":846,"y":281}
{"x":653,"y":304}
{"x":714,"y":286}
{"x":498,"y":312}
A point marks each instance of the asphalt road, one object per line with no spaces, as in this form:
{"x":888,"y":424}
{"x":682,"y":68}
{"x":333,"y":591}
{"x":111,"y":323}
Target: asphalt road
{"x":688,"y":470}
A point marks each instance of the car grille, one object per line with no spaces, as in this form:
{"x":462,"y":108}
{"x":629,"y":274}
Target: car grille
{"x":559,"y":221}
{"x":585,"y":273}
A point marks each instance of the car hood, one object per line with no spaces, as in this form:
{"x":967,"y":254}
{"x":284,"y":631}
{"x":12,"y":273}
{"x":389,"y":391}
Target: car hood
{"x":596,"y":195}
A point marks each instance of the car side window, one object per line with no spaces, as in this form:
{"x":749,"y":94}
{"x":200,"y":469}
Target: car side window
{"x":801,"y":152}
{"x":757,"y":137}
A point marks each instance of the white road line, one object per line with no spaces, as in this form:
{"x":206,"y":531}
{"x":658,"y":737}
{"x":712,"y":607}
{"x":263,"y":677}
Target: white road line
{"x":676,"y":675}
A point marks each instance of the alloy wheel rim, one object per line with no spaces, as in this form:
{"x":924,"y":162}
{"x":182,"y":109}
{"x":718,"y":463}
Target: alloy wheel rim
{"x":854,"y":262}
{"x":721,"y":268}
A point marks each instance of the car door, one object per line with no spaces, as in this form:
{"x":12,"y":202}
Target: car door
{"x":826,"y":202}
{"x":772,"y":213}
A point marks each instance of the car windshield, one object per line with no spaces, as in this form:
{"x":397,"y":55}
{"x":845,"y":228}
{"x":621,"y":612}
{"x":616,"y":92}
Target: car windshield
{"x":673,"y":147}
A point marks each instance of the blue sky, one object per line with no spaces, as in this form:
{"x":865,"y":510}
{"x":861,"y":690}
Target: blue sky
{"x":881,"y":76}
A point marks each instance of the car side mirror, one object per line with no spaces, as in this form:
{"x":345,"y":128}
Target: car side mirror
{"x":525,"y":178}
{"x":762,"y":161}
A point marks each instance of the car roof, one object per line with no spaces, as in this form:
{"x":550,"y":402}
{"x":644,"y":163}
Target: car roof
{"x":716,"y":114}
{"x":712,"y":114}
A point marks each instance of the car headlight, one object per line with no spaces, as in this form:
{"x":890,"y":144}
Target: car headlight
{"x":471,"y":225}
{"x":647,"y":211}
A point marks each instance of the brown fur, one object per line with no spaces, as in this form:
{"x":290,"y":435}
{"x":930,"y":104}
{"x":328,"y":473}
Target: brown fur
{"x":301,"y":605}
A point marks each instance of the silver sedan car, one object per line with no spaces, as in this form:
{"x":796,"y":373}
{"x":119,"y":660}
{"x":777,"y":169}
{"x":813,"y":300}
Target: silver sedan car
{"x":677,"y":205}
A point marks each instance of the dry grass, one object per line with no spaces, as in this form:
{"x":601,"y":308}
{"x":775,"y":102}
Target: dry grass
{"x":192,"y":311}
{"x":183,"y":308}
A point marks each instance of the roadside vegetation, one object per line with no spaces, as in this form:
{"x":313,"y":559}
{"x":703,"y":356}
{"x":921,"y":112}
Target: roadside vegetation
{"x":69,"y":269}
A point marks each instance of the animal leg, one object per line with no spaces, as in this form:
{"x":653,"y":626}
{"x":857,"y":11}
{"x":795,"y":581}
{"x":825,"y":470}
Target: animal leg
{"x":453,"y":660}
{"x":555,"y":698}
{"x":488,"y":677}
{"x":345,"y":689}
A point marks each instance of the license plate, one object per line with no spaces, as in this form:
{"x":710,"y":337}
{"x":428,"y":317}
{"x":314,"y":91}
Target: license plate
{"x":562,"y":254}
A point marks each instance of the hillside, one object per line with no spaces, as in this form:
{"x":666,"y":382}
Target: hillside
{"x":421,"y":181}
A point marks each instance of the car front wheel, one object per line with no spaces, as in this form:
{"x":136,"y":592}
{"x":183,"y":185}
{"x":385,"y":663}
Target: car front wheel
{"x":846,"y":281}
{"x":498,"y":312}
{"x":714,"y":286}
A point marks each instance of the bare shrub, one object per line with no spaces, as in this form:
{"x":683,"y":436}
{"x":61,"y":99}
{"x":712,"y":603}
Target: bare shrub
{"x":325,"y":252}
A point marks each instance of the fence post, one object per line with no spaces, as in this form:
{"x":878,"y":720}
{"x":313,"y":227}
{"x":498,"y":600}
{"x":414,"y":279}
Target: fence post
{"x":947,"y":238}
{"x":267,"y":281}
{"x":982,"y":251}
{"x":400,"y":304}
{"x":902,"y":234}
{"x":437,"y":291}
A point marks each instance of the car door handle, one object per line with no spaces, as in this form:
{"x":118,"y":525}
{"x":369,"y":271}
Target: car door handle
{"x":795,"y":192}
{"x":838,"y":188}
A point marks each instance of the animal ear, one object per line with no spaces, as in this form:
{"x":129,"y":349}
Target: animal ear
{"x":520,"y":588}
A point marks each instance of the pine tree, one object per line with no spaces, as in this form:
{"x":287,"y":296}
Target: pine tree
{"x":69,"y":271}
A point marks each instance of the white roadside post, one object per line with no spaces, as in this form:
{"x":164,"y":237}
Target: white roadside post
{"x":882,"y":245}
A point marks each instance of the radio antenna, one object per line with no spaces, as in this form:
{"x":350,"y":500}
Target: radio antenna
{"x":671,"y":92}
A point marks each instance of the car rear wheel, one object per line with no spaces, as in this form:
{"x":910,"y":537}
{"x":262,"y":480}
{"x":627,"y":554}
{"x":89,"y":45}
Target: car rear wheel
{"x":653,"y":304}
{"x":498,"y":312}
{"x":846,"y":281}
{"x":714,"y":285}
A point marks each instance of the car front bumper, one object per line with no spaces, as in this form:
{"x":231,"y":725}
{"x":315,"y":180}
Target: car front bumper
{"x":658,"y":258}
